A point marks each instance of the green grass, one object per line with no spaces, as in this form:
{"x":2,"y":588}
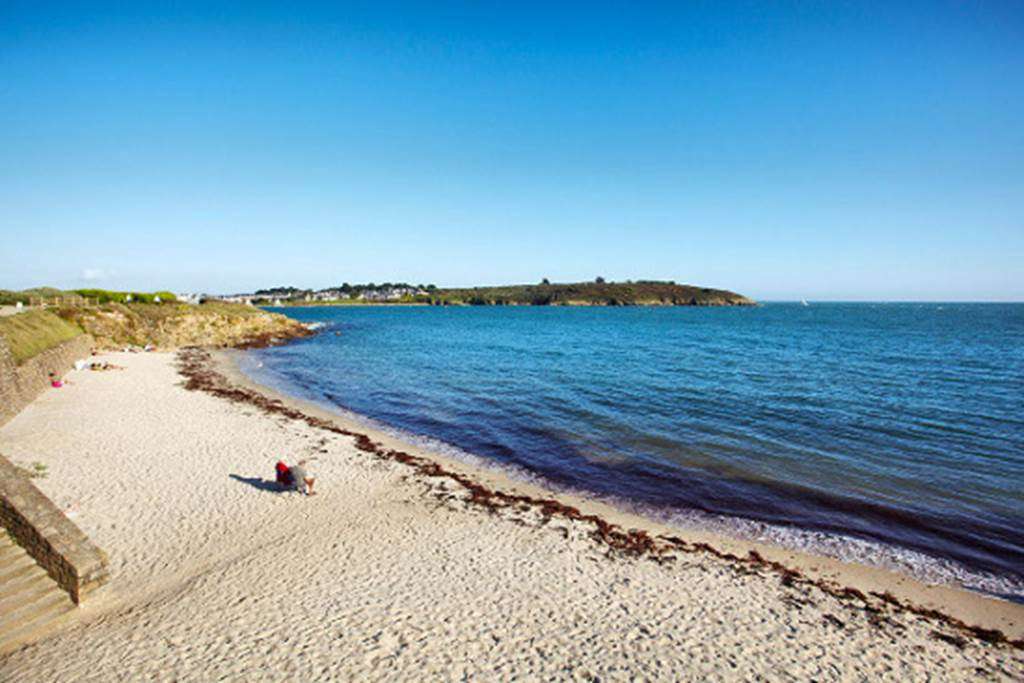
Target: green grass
{"x":37,"y":470}
{"x":102,"y":296}
{"x":29,"y":334}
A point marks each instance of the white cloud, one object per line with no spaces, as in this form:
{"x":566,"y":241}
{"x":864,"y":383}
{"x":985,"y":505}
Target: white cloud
{"x":95,"y":274}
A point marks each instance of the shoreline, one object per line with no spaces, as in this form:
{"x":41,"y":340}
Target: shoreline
{"x":563,"y":304}
{"x":852,"y":580}
{"x":911,"y":562}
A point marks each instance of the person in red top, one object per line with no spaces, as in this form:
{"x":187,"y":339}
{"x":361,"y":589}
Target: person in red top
{"x":284,"y":475}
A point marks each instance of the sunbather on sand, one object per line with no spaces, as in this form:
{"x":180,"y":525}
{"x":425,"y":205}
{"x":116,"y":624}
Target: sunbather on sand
{"x":56,"y":382}
{"x":105,"y":365}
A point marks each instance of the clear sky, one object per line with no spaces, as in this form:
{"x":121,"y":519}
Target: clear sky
{"x":819,"y":150}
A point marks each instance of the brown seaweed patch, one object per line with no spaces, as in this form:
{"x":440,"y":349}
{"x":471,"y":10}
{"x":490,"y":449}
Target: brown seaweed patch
{"x":834,"y":621}
{"x":956,"y":641}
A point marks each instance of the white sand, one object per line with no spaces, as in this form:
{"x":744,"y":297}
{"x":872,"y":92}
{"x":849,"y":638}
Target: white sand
{"x":375,"y":578}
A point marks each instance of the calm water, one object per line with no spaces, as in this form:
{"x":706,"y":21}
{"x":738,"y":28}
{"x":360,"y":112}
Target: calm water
{"x":891,"y":433}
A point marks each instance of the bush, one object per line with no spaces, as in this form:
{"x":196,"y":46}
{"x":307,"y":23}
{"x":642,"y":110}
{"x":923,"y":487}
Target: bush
{"x":105,"y":296}
{"x":9,"y":298}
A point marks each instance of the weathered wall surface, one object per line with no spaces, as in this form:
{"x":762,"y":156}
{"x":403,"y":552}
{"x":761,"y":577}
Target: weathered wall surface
{"x":53,"y":541}
{"x":20,"y":384}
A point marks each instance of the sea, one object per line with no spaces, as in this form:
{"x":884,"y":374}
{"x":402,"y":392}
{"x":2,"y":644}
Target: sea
{"x":889,"y":434}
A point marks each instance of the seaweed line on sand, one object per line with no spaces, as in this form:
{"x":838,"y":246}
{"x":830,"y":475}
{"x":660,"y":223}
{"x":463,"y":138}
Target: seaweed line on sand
{"x":196,"y":366}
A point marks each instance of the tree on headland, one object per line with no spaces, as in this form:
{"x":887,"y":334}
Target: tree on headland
{"x":599,"y":280}
{"x":545,"y":281}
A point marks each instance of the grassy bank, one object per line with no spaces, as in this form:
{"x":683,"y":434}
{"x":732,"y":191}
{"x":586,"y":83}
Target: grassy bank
{"x":30,"y":333}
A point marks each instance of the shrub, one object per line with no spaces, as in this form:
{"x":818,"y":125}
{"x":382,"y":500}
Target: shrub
{"x":105,"y":296}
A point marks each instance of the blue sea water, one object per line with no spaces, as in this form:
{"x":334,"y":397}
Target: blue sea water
{"x":887,"y":433}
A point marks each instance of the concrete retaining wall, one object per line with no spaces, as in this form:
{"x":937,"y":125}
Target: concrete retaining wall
{"x":21,"y":384}
{"x":56,"y":544}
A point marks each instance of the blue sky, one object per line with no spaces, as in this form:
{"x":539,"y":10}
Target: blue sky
{"x":818,"y":150}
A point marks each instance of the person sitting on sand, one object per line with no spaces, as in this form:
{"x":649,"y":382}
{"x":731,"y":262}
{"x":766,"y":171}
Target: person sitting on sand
{"x":303,"y":479}
{"x":283,"y":474}
{"x":56,"y":382}
{"x":105,"y":365}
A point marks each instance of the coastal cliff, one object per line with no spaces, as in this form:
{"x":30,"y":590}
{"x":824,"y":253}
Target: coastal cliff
{"x":176,"y":325}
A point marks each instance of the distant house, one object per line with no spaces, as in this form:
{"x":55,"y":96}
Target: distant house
{"x":330,"y":295}
{"x":239,"y":298}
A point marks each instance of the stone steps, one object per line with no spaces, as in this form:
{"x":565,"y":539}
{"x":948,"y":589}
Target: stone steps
{"x":31,"y":603}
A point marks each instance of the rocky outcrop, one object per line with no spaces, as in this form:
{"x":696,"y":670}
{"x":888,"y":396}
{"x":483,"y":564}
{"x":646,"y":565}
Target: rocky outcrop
{"x":173,"y":326}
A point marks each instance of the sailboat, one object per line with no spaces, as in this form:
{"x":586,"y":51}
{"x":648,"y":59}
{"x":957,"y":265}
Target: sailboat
{"x":803,"y":302}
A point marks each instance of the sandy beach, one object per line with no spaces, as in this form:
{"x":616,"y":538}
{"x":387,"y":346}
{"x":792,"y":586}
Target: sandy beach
{"x":390,"y":573}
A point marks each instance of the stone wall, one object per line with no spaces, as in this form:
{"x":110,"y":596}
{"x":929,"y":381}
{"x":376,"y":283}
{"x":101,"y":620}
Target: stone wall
{"x":21,"y":384}
{"x":56,"y":544}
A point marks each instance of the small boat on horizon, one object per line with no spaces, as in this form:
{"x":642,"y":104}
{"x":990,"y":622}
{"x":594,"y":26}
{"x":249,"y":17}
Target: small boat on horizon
{"x":803,"y":302}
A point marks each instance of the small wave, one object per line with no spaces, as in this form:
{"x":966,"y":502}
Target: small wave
{"x":924,"y":568}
